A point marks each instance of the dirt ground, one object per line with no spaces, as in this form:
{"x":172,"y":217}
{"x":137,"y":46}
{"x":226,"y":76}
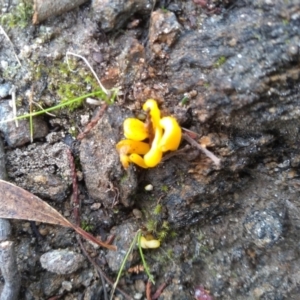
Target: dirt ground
{"x":228,"y":71}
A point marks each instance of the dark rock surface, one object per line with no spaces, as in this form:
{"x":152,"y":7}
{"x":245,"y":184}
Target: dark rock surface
{"x":230,"y":73}
{"x":19,"y":135}
{"x":107,"y":180}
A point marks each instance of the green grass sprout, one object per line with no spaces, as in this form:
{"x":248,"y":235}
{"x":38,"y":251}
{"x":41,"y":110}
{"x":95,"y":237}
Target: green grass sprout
{"x":61,"y":105}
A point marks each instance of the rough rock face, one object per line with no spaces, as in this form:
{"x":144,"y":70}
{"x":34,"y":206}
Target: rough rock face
{"x":106,"y":179}
{"x":19,"y":135}
{"x":43,"y":169}
{"x":114,"y":14}
{"x":242,"y":66}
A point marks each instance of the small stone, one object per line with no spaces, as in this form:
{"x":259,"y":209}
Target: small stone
{"x":62,"y":261}
{"x":140,"y":286}
{"x":4,"y":90}
{"x":18,"y":136}
{"x":138,"y":296}
{"x":137,"y":213}
{"x":66,"y":285}
{"x":149,"y":187}
{"x":43,"y":231}
{"x":5,"y":229}
{"x":124,"y":235}
{"x":264,"y":227}
{"x":95,"y":206}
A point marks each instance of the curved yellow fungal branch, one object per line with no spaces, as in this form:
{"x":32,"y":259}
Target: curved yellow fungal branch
{"x":134,"y":129}
{"x":138,"y":160}
{"x":153,"y":157}
{"x":126,"y":147}
{"x":172,"y":134}
{"x":149,"y":244}
{"x":151,"y":105}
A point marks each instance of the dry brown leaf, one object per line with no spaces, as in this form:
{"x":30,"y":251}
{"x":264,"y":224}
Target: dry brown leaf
{"x":17,"y":203}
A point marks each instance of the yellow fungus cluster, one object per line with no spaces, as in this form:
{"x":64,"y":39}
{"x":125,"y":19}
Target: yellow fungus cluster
{"x":138,"y":148}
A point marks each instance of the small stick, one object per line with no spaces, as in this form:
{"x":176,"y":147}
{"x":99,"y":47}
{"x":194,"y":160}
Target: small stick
{"x":209,"y":154}
{"x":148,"y":290}
{"x":159,"y":291}
{"x":12,"y":45}
{"x":90,"y":67}
{"x":93,"y":122}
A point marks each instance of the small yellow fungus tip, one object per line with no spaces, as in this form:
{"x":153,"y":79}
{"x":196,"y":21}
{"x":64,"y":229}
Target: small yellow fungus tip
{"x":149,"y":244}
{"x":138,"y":149}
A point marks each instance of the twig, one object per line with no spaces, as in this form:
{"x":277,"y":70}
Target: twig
{"x":209,"y":154}
{"x":148,"y":290}
{"x":12,"y":45}
{"x":93,"y":122}
{"x":159,"y":291}
{"x":92,"y":70}
{"x":13,"y":101}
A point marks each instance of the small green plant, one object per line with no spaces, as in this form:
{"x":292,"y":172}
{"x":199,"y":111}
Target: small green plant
{"x":156,"y":226}
{"x":157,"y":209}
{"x":221,"y":60}
{"x":19,"y":17}
{"x":164,"y":188}
{"x":87,"y":226}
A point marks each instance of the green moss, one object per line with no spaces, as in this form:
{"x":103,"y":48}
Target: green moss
{"x":164,"y":188}
{"x":87,"y":226}
{"x":157,"y":209}
{"x":221,"y":60}
{"x":20,"y":16}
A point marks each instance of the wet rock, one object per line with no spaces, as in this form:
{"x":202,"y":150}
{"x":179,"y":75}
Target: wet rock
{"x":264,"y":227}
{"x":229,"y":76}
{"x":4,"y":90}
{"x":42,"y":169}
{"x":131,"y":61}
{"x":124,"y":235}
{"x":62,"y":261}
{"x":106,"y":180}
{"x":93,"y":292}
{"x":163,"y":32}
{"x":18,"y":136}
{"x":114,"y":14}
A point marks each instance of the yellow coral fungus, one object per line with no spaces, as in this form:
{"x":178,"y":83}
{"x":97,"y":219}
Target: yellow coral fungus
{"x":138,"y":160}
{"x":134,"y":129}
{"x":125,"y":147}
{"x":153,"y":157}
{"x":172,"y":134}
{"x":149,"y":244}
{"x":167,"y":137}
{"x":151,"y":105}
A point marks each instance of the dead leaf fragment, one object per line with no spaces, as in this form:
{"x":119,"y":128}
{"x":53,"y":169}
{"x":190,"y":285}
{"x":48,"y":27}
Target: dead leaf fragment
{"x":17,"y":203}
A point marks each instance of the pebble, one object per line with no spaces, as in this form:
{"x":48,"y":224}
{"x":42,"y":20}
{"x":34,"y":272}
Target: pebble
{"x":62,"y":261}
{"x":264,"y":227}
{"x":140,"y":286}
{"x":4,"y":90}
